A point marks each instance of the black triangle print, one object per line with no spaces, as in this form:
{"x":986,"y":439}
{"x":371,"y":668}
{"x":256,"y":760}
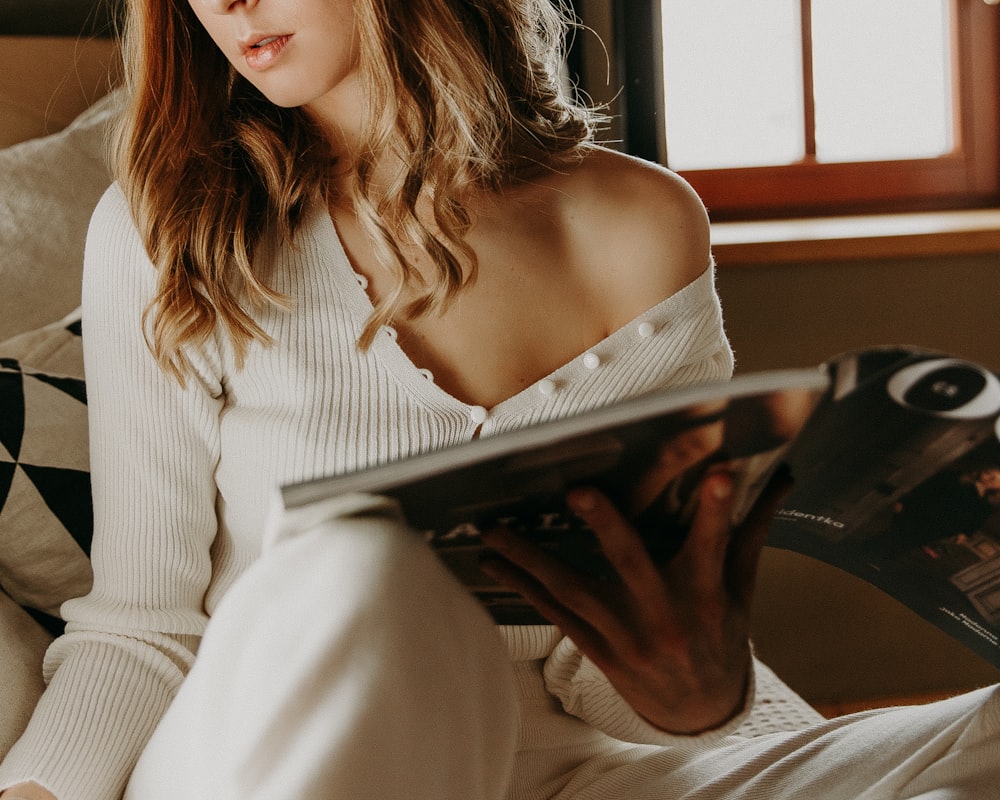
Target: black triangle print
{"x":67,"y":494}
{"x":55,"y":626}
{"x":6,"y":479}
{"x":74,"y":387}
{"x":76,"y":328}
{"x":11,"y":412}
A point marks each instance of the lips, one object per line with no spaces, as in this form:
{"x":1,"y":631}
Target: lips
{"x":261,"y":51}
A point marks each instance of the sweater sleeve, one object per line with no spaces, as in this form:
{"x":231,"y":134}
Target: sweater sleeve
{"x":585,"y":692}
{"x":154,"y":448}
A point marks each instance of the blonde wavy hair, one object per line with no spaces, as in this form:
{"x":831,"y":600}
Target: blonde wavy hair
{"x":465,"y":93}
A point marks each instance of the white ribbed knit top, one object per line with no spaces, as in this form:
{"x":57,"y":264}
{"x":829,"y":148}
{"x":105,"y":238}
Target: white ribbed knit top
{"x":182,"y":477}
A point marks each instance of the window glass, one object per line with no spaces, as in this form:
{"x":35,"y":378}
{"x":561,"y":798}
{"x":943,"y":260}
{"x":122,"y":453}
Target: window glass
{"x":734,"y":93}
{"x":732,"y":83}
{"x":881,"y":79}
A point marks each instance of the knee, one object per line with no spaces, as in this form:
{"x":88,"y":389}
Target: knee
{"x":352,"y":562}
{"x":341,"y":553}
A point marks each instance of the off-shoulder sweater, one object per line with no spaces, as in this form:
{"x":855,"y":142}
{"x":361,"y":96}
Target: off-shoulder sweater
{"x":182,"y":476}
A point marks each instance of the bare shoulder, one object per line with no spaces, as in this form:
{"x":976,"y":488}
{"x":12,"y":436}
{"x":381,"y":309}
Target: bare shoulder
{"x":637,"y":231}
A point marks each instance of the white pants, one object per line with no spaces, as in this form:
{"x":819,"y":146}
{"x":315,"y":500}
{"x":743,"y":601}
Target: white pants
{"x":347,"y":663}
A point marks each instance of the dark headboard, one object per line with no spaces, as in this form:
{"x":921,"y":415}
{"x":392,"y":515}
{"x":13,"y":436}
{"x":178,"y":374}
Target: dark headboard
{"x":58,"y":17}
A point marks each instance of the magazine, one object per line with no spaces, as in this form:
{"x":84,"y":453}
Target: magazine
{"x":894,"y":452}
{"x":897,"y":481}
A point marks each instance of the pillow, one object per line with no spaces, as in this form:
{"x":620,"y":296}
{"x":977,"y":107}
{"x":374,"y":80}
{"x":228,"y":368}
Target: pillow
{"x":50,"y":187}
{"x":46,"y":515}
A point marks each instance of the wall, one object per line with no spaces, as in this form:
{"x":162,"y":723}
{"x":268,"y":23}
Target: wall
{"x":831,"y":636}
{"x":46,"y":82}
{"x":800,"y":314}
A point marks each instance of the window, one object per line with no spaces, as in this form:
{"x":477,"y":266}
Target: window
{"x":802,"y":107}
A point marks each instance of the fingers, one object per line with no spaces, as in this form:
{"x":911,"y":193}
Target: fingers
{"x":557,"y":591}
{"x":620,"y":543}
{"x":753,"y":534}
{"x":671,"y":638}
{"x":716,"y":558}
{"x":539,"y":596}
{"x":701,"y":562}
{"x":676,"y":455}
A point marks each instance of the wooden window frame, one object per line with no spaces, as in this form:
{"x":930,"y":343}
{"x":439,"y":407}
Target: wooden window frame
{"x":968,"y":177}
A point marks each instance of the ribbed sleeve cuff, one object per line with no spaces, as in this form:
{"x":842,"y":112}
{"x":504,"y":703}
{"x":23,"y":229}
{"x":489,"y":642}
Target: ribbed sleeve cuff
{"x":91,"y":724}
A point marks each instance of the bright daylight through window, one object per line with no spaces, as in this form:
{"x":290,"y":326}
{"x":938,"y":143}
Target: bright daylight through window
{"x":806,"y":107}
{"x":737,"y":88}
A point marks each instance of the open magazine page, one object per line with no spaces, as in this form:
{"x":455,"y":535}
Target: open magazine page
{"x":897,"y":480}
{"x":647,"y":455}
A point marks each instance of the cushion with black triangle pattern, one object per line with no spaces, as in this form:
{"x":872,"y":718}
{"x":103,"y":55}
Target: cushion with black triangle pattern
{"x":46,"y":516}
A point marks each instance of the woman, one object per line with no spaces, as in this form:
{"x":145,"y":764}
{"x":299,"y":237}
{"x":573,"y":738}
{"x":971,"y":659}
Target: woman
{"x":352,"y":231}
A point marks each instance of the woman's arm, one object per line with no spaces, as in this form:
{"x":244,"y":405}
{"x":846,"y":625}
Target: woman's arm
{"x":153,"y":452}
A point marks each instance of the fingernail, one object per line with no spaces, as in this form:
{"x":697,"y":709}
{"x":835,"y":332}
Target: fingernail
{"x":722,"y":486}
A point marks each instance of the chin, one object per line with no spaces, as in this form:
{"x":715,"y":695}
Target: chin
{"x":285,"y":103}
{"x":286,"y":99}
{"x":285,"y":94}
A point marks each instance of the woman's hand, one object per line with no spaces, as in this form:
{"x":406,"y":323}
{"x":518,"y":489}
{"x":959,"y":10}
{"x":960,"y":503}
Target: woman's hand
{"x":672,"y":639}
{"x":27,"y":791}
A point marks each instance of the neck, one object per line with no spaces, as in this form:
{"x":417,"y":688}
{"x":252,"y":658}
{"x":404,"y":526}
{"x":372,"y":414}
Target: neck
{"x":342,"y":114}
